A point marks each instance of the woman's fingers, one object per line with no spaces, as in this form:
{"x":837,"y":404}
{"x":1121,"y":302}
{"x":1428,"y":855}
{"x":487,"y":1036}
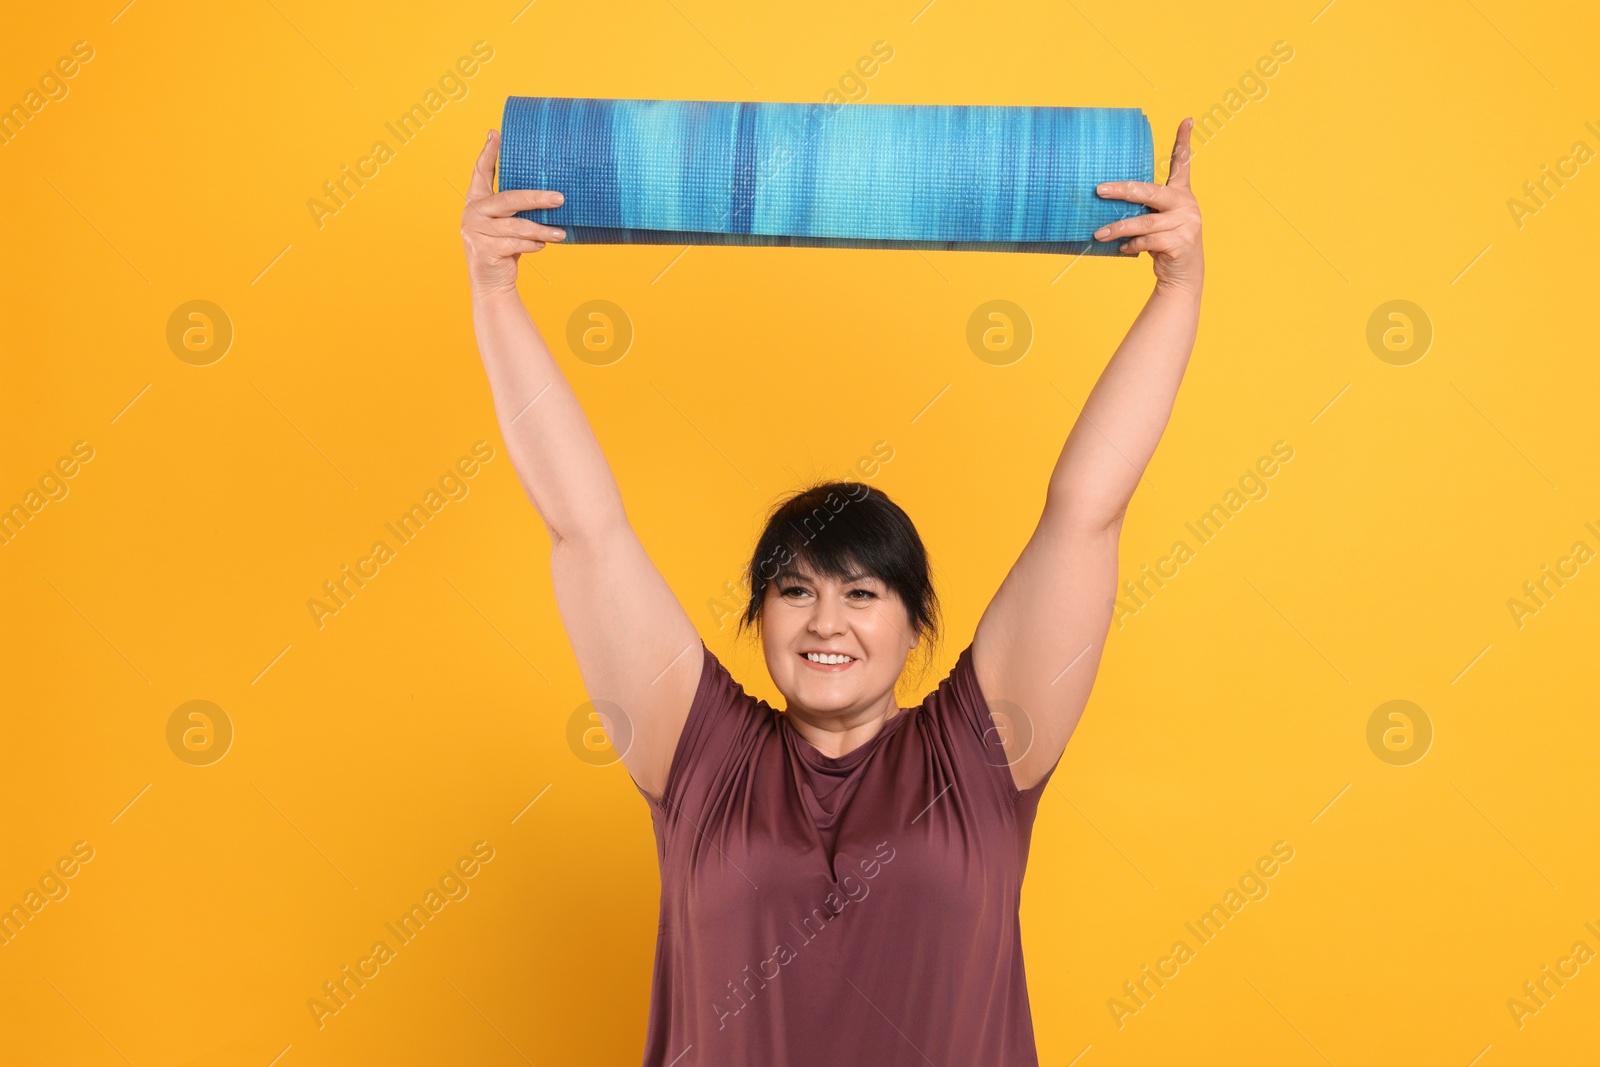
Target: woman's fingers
{"x":1159,"y":197}
{"x":1149,"y":193}
{"x":508,"y":203}
{"x":1178,"y":171}
{"x":493,"y":235}
{"x":1156,"y":230}
{"x":1170,"y":230}
{"x":483,"y":201}
{"x":1138,"y":224}
{"x":1160,"y":241}
{"x":510,"y":246}
{"x":482,"y":183}
{"x":495,"y":216}
{"x":532,"y":231}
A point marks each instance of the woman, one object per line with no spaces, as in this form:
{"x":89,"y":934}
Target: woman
{"x":840,"y":881}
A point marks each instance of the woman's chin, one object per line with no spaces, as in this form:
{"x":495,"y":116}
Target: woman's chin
{"x":825,"y":695}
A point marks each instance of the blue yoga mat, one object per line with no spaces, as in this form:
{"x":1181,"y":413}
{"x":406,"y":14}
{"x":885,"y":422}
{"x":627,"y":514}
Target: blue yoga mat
{"x":951,"y":177}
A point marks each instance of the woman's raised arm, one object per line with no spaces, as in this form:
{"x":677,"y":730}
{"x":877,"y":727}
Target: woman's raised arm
{"x":1038,"y":644}
{"x":634,"y":643}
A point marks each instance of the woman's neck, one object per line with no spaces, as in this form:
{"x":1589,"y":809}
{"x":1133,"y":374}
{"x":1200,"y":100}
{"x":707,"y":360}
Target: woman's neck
{"x":834,"y":734}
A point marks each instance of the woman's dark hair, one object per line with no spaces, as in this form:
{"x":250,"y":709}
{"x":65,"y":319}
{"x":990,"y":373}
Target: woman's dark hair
{"x":839,"y":530}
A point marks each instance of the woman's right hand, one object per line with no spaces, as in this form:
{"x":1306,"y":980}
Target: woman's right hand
{"x":494,"y":236}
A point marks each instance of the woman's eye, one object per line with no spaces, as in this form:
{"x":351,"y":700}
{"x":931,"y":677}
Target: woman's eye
{"x":863,"y":592}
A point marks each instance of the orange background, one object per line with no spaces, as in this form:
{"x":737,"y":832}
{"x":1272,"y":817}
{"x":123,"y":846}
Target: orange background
{"x":430,"y":713}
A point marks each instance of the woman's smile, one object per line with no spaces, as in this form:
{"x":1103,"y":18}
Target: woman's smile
{"x":828,"y":661}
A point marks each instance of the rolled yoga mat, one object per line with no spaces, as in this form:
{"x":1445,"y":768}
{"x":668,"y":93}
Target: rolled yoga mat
{"x":932,"y":176}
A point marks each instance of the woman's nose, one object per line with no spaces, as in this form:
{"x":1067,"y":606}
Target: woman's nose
{"x":827,"y":619}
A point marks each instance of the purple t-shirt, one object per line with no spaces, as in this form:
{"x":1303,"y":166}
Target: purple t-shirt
{"x":859,"y":910}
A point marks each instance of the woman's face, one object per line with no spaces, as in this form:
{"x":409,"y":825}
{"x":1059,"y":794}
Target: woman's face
{"x":861,"y":619}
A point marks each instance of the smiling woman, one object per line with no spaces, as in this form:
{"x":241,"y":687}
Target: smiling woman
{"x":759,"y":813}
{"x":864,"y":552}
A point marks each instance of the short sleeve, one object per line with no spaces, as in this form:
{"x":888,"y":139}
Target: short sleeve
{"x":981,"y":728}
{"x":720,"y":734}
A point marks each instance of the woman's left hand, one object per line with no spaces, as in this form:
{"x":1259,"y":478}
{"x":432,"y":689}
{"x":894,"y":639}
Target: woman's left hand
{"x":1171,"y":230}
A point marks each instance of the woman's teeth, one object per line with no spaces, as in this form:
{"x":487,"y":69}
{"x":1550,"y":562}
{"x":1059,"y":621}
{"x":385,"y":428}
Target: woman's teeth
{"x":823,"y":657}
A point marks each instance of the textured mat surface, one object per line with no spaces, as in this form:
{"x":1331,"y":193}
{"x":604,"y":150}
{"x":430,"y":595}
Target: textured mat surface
{"x":954,"y":177}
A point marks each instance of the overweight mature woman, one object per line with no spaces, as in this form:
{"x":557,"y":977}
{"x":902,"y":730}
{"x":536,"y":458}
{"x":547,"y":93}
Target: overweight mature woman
{"x":840,"y":879}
